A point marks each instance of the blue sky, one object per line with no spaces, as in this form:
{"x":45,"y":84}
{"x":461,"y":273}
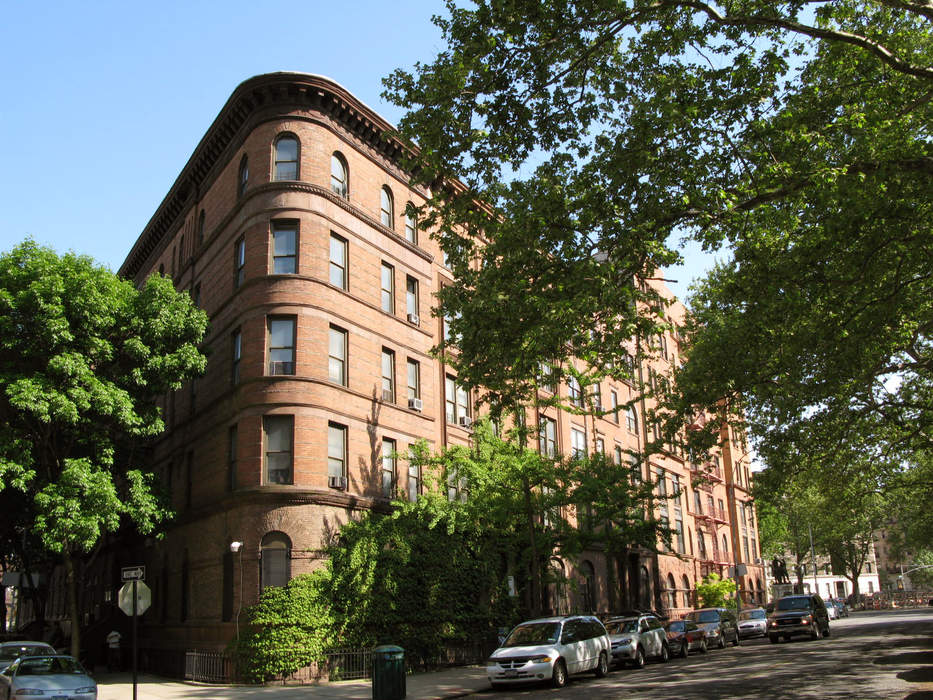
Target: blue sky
{"x":104,"y":102}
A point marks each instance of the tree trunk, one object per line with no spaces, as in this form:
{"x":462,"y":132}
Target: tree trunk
{"x":536,"y":578}
{"x":71,"y":585}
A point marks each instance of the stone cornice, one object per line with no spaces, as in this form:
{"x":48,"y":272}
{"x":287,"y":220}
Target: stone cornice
{"x":262,"y":94}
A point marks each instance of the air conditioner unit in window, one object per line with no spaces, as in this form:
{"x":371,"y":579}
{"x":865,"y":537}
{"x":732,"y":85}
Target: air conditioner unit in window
{"x":415,"y":404}
{"x":465,"y":421}
{"x":387,"y":395}
{"x":337,"y":482}
{"x":414,"y":320}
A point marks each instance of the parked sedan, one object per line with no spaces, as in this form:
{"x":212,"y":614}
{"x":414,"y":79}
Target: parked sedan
{"x":753,"y":622}
{"x":720,"y":624}
{"x":684,"y":636}
{"x":635,"y":639}
{"x":58,"y":677}
{"x":11,"y":651}
{"x":831,"y":611}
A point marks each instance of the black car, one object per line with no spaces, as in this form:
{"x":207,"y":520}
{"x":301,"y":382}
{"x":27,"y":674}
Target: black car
{"x":798,"y":615}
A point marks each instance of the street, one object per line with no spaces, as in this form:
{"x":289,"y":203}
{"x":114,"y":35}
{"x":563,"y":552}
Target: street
{"x":876,"y":654}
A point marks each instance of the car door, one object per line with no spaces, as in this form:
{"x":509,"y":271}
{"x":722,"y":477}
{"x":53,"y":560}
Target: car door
{"x":656,"y":630}
{"x":573,"y":645}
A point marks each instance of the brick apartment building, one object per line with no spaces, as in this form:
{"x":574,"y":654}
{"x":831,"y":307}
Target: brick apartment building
{"x":289,"y":227}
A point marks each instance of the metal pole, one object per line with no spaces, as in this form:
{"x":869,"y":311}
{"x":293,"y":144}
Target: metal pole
{"x":816,"y":584}
{"x":134,"y":638}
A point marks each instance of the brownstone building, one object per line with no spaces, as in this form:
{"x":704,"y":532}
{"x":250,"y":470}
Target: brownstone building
{"x":290,"y":227}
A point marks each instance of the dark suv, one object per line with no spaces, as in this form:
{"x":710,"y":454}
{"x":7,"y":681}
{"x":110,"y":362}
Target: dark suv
{"x":798,"y":615}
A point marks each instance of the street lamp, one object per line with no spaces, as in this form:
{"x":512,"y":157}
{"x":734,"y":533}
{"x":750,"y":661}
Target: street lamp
{"x":235,"y":548}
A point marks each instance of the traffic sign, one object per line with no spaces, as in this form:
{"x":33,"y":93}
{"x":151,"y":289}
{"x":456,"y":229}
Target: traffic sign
{"x":133,"y":573}
{"x":143,"y":597}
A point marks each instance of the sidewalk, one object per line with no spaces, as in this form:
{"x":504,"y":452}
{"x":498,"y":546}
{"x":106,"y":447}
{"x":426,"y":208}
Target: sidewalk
{"x":451,"y":683}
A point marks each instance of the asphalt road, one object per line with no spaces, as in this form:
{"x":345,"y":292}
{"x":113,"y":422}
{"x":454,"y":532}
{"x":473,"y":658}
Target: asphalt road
{"x":877,"y":654}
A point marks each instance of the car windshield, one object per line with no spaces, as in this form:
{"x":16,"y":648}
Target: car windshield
{"x":703,"y":616}
{"x":752,"y":615}
{"x":8,"y":652}
{"x":677,"y":626}
{"x":793,"y":604}
{"x":622,"y":626}
{"x":44,"y":666}
{"x":534,"y":633}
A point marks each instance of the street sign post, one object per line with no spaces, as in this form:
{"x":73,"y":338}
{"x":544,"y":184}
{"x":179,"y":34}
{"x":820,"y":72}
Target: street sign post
{"x":134,"y":599}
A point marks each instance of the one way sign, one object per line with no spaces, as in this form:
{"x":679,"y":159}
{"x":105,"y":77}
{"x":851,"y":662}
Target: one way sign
{"x":133,"y":573}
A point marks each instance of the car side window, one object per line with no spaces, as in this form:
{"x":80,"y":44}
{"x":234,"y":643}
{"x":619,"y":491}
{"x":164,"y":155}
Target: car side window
{"x":655,"y":624}
{"x":570,"y":633}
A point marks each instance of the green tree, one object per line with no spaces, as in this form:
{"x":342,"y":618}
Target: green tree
{"x":715,"y":592}
{"x":84,"y":359}
{"x":793,"y":134}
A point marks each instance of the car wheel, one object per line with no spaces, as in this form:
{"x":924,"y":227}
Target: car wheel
{"x":815,"y":632}
{"x":559,"y":675}
{"x":704,"y":647}
{"x":773,"y":638}
{"x":685,"y":649}
{"x":639,"y":660}
{"x":602,"y":666}
{"x":826,"y":631}
{"x":665,"y":653}
{"x":735,"y":642}
{"x":722,"y":641}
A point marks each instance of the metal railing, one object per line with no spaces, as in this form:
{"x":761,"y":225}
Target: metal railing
{"x":208,"y":666}
{"x":349,"y":664}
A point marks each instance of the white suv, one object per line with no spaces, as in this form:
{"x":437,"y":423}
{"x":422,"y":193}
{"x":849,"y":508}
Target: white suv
{"x":550,"y":649}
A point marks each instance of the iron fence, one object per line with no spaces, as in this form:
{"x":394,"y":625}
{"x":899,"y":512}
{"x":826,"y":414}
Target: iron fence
{"x":208,"y":666}
{"x":349,"y":664}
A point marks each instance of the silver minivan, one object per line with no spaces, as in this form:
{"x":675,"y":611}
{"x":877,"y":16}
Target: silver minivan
{"x":550,"y":649}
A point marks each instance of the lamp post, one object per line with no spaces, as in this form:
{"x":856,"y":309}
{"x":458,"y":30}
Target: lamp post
{"x":235,"y":548}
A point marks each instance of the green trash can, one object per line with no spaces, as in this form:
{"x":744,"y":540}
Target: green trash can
{"x":388,"y":673}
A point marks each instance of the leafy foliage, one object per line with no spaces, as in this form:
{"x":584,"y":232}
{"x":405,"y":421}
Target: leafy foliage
{"x":84,"y":358}
{"x":714,"y":592}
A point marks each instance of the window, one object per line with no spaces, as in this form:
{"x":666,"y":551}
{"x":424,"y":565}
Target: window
{"x":414,"y":379}
{"x":411,"y":224}
{"x":631,"y":419}
{"x":239,"y":263}
{"x":456,"y":486}
{"x":284,"y":247}
{"x":386,"y":208}
{"x":411,"y":298}
{"x":278,"y":439}
{"x":617,"y":455}
{"x":286,"y":158}
{"x":275,"y":553}
{"x":597,"y":396}
{"x":547,"y":438}
{"x":457,"y":402}
{"x":338,"y":261}
{"x":336,"y":450}
{"x":679,"y":526}
{"x":242,"y":177}
{"x":388,"y":468}
{"x":600,"y":446}
{"x":614,"y":401}
{"x":388,"y":375}
{"x":388,"y":288}
{"x":339,"y":179}
{"x":337,"y":356}
{"x":201,"y":227}
{"x":576,"y":395}
{"x":281,"y":345}
{"x":546,"y":377}
{"x":414,"y":481}
{"x":231,"y":458}
{"x":237,"y":342}
{"x":577,"y":443}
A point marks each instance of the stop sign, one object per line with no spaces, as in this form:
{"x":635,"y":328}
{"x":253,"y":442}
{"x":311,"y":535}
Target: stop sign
{"x":143,"y":597}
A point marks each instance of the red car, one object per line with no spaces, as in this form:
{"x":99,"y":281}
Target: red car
{"x":683,"y":636}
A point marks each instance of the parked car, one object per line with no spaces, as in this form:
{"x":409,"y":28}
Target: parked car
{"x":11,"y":651}
{"x":798,"y":615}
{"x":753,"y":622}
{"x":684,"y":636}
{"x":831,"y":611}
{"x":719,"y":623}
{"x":635,"y":639}
{"x":550,"y":649}
{"x":59,"y":677}
{"x":842,"y":610}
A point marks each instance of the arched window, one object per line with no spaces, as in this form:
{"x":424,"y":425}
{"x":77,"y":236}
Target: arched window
{"x":589,"y":586}
{"x":725,"y":544}
{"x":631,"y":419}
{"x":243,"y":177}
{"x":644,"y":588}
{"x":339,"y":175}
{"x":411,"y":224}
{"x":387,"y":208}
{"x":286,"y":158}
{"x":275,"y":552}
{"x":201,"y":228}
{"x":687,"y":589}
{"x":690,"y":540}
{"x":671,"y":591}
{"x":758,"y":589}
